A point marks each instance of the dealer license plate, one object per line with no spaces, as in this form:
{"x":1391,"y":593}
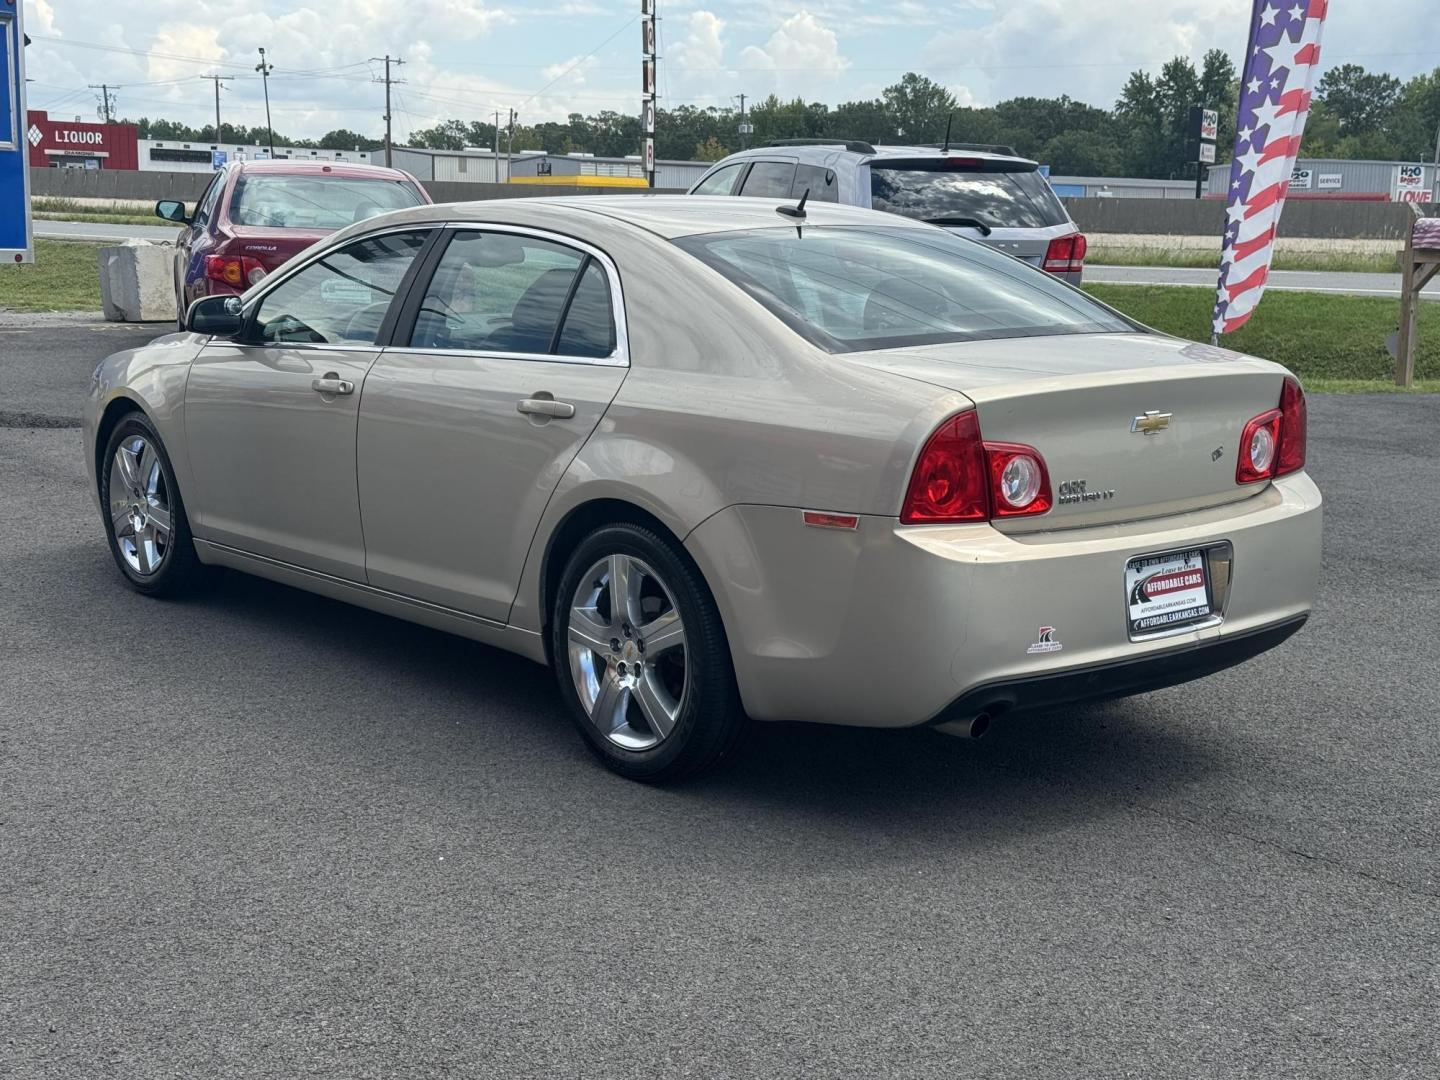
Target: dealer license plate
{"x":1163,"y":592}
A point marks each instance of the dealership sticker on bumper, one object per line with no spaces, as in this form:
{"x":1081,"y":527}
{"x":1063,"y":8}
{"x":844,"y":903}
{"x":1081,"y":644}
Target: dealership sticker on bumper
{"x":1165,"y":591}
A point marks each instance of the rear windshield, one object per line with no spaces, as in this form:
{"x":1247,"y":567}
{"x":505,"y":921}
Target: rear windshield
{"x":936,"y":191}
{"x":277,"y":201}
{"x":852,"y":288}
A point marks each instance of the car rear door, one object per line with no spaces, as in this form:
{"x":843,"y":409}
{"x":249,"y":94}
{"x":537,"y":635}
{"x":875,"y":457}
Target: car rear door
{"x":270,"y":418}
{"x":507,"y":354}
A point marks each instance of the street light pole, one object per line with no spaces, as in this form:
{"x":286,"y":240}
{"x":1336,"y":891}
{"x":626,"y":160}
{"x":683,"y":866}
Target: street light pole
{"x":264,"y":69}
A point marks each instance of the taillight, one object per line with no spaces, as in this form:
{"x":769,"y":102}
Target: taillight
{"x":1066,"y":254}
{"x":233,"y":271}
{"x":1019,"y":482}
{"x":1293,"y":422}
{"x":1273,"y":443}
{"x":959,"y":478}
{"x":949,"y":482}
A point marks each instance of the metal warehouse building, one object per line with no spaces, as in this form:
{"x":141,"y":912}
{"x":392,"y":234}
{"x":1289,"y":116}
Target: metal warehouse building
{"x":1334,"y":178}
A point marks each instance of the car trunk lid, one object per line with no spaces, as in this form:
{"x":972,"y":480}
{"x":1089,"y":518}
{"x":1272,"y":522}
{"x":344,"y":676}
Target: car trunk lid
{"x":1130,"y":425}
{"x":272,"y":248}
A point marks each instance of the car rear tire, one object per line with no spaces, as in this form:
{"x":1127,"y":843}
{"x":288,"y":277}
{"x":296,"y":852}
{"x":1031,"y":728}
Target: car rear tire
{"x":144,"y":515}
{"x":649,"y":680}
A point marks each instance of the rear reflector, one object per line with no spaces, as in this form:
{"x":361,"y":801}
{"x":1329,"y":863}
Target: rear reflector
{"x":822,"y":520}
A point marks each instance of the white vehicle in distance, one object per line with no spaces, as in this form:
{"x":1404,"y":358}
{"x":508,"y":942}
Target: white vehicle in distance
{"x":988,"y":193}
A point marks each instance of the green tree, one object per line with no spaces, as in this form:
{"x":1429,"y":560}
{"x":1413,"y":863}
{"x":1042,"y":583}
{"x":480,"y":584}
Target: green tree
{"x":920,"y":107}
{"x":1360,"y":101}
{"x":710,"y":150}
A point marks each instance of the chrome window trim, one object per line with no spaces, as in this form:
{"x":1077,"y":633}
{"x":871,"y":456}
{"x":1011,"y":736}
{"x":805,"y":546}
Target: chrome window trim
{"x":619,"y":356}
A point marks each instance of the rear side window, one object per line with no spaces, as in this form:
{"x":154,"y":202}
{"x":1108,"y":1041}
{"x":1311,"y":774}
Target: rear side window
{"x":770,"y":179}
{"x":848,"y":289}
{"x":720,"y":181}
{"x":820,"y":182}
{"x":939,"y":192}
{"x":507,"y":293}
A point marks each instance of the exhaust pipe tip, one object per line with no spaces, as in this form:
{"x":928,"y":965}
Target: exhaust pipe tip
{"x":980,"y":725}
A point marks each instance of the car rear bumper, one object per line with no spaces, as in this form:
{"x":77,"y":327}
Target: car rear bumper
{"x":889,"y":625}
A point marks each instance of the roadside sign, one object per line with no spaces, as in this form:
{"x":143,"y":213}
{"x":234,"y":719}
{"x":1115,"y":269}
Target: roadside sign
{"x":1302,"y":179}
{"x":1331,"y":181}
{"x":218,"y":159}
{"x":649,"y":155}
{"x":1209,"y":125}
{"x":1410,"y":184}
{"x":1204,"y":130}
{"x":1207,"y":153}
{"x":17,"y":241}
{"x":649,"y":124}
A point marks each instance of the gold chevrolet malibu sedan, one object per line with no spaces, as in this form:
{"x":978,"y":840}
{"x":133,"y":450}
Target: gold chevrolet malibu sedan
{"x":715,"y":460}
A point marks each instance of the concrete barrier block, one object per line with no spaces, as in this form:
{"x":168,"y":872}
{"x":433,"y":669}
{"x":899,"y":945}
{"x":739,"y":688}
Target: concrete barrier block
{"x":137,"y":283}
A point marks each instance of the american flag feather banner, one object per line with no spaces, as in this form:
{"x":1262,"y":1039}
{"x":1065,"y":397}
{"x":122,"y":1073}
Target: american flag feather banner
{"x":1281,"y":62}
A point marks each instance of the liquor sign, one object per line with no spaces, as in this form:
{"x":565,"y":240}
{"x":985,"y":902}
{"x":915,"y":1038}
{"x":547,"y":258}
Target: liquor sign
{"x":647,"y":86}
{"x":65,"y":142}
{"x":17,"y":242}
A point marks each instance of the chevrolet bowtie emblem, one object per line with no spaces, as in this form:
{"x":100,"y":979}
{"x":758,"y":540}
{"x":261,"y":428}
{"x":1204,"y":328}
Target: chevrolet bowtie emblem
{"x":1152,"y":423}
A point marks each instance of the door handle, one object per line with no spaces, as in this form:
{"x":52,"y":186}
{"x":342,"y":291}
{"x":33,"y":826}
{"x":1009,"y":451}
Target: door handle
{"x":332,"y":384}
{"x":545,"y":406}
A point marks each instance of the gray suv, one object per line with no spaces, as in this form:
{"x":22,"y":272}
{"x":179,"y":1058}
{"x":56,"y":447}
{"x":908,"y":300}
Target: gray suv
{"x":987,"y":193}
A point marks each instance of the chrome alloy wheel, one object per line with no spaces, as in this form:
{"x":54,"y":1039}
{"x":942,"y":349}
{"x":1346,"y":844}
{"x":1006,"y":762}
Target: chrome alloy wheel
{"x":140,"y":505}
{"x":627,"y":652}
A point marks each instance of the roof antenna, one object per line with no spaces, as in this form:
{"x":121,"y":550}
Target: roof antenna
{"x":796,"y":211}
{"x":946,"y":148}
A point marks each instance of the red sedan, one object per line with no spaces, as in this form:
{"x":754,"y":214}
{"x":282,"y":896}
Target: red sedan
{"x":257,"y":214}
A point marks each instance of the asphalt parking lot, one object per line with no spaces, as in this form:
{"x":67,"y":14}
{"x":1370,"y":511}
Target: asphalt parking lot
{"x":263,"y":834}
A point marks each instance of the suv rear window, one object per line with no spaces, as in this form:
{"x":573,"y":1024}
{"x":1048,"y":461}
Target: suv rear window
{"x":1001,"y":197}
{"x":847,"y":289}
{"x":280,"y":201}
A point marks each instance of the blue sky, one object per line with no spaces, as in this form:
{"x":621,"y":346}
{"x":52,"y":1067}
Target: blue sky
{"x":547,"y":58}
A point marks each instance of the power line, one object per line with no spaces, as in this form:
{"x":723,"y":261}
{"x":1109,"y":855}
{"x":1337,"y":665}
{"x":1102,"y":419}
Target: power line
{"x":104,"y":89}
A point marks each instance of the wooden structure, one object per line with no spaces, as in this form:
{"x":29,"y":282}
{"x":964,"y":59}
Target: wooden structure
{"x":1419,"y":262}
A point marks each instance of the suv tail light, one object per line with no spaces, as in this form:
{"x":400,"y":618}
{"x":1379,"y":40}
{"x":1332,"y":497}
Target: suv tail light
{"x":1273,"y":443}
{"x":960,"y":478}
{"x":237,"y":272}
{"x":1066,"y":254}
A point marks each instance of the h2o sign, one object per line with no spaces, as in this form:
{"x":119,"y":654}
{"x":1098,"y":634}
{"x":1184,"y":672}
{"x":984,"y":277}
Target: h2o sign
{"x":1410,"y":184}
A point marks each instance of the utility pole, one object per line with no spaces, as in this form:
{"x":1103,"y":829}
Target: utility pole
{"x":217,"y":80}
{"x":497,"y":149}
{"x":264,"y":69}
{"x":388,"y":81}
{"x":744,"y":129}
{"x":104,"y":89}
{"x":510,"y":145}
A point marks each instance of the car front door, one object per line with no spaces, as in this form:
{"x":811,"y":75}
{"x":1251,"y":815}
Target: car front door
{"x":270,"y":418}
{"x":512,"y":352}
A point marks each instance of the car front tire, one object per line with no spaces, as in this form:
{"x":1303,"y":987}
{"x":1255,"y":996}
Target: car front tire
{"x":641,"y":657}
{"x":144,"y":515}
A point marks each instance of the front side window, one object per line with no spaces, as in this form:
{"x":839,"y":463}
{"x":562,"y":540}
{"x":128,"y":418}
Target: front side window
{"x":956,"y":193}
{"x":770,"y":179}
{"x":507,"y":293}
{"x":341,"y":298}
{"x":848,"y":289}
{"x":720,"y":181}
{"x":281,"y":201}
{"x":206,"y":206}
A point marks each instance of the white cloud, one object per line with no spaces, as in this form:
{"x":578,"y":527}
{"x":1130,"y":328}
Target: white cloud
{"x":800,"y":53}
{"x":703,"y":46}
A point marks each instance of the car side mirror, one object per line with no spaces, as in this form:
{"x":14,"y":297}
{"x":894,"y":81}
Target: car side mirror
{"x":172,"y":210}
{"x":220,"y":316}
